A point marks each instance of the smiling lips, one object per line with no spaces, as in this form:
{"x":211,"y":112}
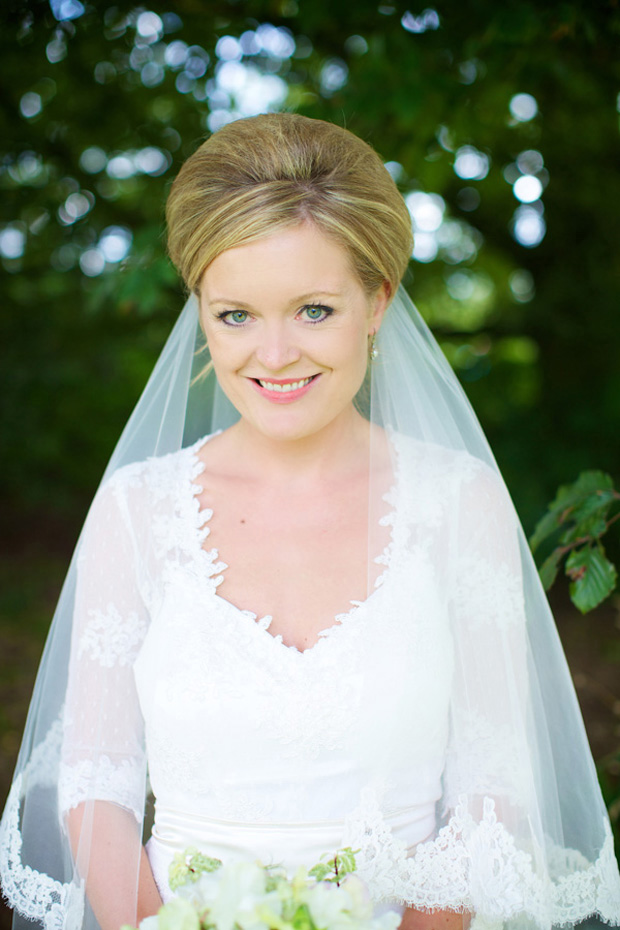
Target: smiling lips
{"x":283,"y":391}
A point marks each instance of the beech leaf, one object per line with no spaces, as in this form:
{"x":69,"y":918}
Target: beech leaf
{"x":593,"y":577}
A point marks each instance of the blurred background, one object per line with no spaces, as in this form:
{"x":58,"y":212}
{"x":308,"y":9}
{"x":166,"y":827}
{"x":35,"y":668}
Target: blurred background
{"x":500,"y":124}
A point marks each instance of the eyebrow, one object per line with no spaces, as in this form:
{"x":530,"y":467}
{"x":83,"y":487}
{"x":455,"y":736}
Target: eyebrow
{"x":302,"y":298}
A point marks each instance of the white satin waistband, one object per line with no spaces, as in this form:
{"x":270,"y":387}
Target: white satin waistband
{"x":289,"y":844}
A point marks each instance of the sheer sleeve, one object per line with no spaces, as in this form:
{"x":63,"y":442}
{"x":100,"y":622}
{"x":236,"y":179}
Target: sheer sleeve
{"x":103,"y":756}
{"x":488,"y":753}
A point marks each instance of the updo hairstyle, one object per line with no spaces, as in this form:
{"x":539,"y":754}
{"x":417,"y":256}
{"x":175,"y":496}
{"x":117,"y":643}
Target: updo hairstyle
{"x":257,"y":176}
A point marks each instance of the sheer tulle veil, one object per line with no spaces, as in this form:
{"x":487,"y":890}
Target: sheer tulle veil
{"x":522,"y":837}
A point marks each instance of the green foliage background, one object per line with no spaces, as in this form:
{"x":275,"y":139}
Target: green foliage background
{"x":542,"y":374}
{"x":533,"y":332}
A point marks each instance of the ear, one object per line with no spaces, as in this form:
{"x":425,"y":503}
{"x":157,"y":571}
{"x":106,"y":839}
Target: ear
{"x":379,"y":304}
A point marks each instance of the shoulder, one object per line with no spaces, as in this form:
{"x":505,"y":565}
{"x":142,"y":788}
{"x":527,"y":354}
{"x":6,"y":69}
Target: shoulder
{"x":154,"y":484}
{"x":448,"y":480}
{"x":427,"y":460}
{"x":157,"y":475}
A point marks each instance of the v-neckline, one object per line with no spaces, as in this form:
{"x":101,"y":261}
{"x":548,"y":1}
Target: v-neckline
{"x":340,"y":620}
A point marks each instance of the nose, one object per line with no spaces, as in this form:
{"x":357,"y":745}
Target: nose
{"x":277,"y":347}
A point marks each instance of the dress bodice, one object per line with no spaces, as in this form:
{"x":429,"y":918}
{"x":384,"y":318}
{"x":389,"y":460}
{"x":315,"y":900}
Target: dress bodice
{"x":242,"y":729}
{"x":256,"y":749}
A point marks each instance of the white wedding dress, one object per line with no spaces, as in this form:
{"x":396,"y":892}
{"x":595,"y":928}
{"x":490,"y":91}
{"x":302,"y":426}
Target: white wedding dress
{"x":372,"y":738}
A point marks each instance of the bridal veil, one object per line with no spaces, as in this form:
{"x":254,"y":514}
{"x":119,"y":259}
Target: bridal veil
{"x":522,"y":839}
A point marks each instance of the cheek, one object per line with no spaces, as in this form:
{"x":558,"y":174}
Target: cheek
{"x":227,"y":352}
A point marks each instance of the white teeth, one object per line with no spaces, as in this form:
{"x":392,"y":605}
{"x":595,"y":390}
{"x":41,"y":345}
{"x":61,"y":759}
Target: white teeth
{"x":283,"y":388}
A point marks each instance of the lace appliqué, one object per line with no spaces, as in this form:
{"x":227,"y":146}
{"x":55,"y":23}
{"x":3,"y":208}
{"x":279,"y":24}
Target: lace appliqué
{"x":475,"y":866}
{"x":488,"y":593}
{"x":485,"y":758}
{"x":110,"y":638}
{"x":39,"y":897}
{"x":120,"y":782}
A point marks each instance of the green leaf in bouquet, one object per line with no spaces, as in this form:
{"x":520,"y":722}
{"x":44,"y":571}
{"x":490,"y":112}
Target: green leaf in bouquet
{"x":321,"y":871}
{"x":335,"y":867}
{"x":302,"y":919}
{"x":345,"y":861}
{"x":593,"y":577}
{"x":189,"y":865}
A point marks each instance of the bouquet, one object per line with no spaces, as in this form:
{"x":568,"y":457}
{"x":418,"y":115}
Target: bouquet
{"x":251,"y":896}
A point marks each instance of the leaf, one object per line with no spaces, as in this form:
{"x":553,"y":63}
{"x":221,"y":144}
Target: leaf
{"x":591,"y":528}
{"x":547,"y":525}
{"x":593,"y":577}
{"x":596,"y":502}
{"x":548,"y":571}
{"x":588,"y":483}
{"x":345,"y":861}
{"x":302,"y":919}
{"x":320,"y":871}
{"x":336,"y":866}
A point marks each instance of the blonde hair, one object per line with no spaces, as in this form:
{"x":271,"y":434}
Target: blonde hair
{"x":259,"y":175}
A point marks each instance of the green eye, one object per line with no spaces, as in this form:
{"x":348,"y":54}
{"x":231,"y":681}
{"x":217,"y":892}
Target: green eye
{"x":238,"y":316}
{"x":316,"y":313}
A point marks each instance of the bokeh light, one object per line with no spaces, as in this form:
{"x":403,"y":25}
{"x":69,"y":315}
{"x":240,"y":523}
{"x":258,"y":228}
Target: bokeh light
{"x":115,"y":243}
{"x":521,"y":284}
{"x":528,"y":225}
{"x":30,"y":105}
{"x":12,"y":241}
{"x":92,"y":262}
{"x":530,"y":161}
{"x":527,"y":188}
{"x":334,"y":75}
{"x":149,"y":26}
{"x":76,"y":206}
{"x":428,"y":19}
{"x":471,"y":164}
{"x":395,"y":170}
{"x":93,"y":159}
{"x":523,"y":107}
{"x":427,"y":210}
{"x":56,"y":49}
{"x":65,"y":10}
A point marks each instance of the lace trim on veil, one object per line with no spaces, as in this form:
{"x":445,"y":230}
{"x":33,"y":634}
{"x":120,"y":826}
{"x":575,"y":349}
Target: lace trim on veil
{"x":39,"y":897}
{"x":474,"y":865}
{"x":469,"y":866}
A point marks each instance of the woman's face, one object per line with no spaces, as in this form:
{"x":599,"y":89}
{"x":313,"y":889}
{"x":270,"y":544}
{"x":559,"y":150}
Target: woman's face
{"x":288,"y":322}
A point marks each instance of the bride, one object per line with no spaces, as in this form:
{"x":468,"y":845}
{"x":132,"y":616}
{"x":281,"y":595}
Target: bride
{"x":302,"y":614}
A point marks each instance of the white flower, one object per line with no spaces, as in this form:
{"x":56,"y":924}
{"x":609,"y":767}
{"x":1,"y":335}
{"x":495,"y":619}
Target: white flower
{"x":361,"y":905}
{"x":249,"y":896}
{"x":178,"y":914}
{"x":150,"y":923}
{"x":329,"y":906}
{"x":240,"y":886}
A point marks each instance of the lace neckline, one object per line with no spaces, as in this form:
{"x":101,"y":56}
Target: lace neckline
{"x":210,"y":558}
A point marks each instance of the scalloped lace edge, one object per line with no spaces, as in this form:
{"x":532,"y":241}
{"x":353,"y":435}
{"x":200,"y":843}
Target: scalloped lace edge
{"x":476,"y":866}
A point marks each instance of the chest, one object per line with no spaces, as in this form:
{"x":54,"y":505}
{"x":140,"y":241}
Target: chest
{"x":212,"y":669}
{"x":298,"y":557}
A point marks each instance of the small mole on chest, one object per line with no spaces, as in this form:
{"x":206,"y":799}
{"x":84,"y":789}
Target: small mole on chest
{"x":242,"y":520}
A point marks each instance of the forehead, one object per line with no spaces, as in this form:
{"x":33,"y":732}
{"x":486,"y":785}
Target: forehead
{"x":300,"y":259}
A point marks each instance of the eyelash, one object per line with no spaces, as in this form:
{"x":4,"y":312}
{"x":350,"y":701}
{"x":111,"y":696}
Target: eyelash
{"x":327,"y":312}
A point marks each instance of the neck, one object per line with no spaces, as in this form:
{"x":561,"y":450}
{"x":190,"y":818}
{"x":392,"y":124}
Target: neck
{"x":336,"y":449}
